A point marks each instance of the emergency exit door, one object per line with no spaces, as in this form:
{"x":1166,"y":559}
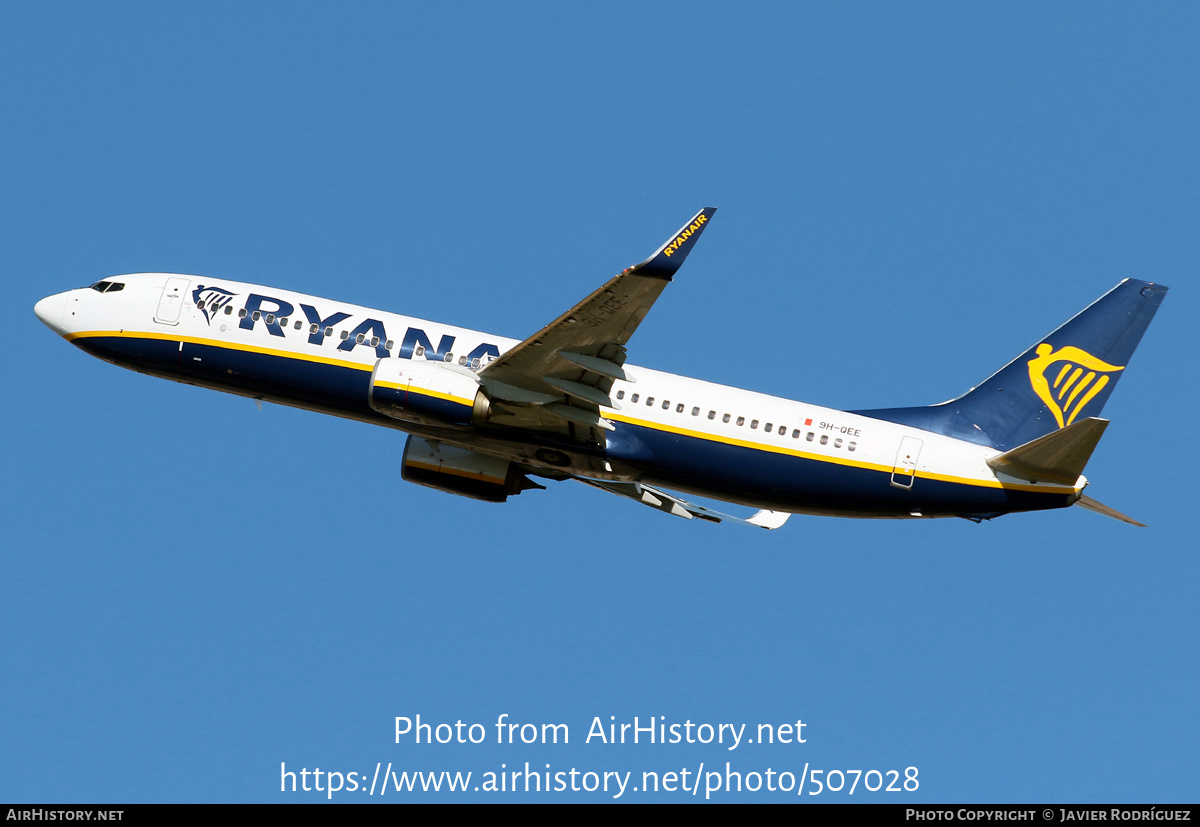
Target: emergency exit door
{"x":905,"y":469}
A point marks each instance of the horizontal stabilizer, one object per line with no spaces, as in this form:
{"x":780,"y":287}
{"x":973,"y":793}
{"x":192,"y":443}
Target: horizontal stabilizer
{"x":1101,"y":508}
{"x":1058,"y":457}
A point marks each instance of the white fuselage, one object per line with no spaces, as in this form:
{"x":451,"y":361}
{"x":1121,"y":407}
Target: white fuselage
{"x":697,"y":436}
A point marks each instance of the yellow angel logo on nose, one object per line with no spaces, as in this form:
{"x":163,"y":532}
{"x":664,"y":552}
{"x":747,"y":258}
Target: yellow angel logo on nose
{"x":1080,"y":378}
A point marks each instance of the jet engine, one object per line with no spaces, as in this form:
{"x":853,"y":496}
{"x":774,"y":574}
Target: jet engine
{"x":459,"y":471}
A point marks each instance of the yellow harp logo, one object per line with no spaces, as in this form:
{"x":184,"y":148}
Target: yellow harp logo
{"x":1080,"y":378}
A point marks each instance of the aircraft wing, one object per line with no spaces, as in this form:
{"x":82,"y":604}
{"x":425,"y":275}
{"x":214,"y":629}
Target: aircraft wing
{"x":558,"y":378}
{"x":671,"y":504}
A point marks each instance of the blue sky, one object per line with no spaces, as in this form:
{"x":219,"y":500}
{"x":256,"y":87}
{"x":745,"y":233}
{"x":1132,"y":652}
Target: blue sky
{"x":194,"y":591}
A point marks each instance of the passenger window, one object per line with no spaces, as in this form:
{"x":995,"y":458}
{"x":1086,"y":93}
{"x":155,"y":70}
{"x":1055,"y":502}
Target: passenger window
{"x":390,"y":344}
{"x":242,"y":313}
{"x":695,"y":411}
{"x":741,"y":420}
{"x":270,"y":318}
{"x":713,"y":415}
{"x":328,"y":331}
{"x":449,"y":357}
{"x":666,"y":404}
{"x":228,"y":309}
{"x":809,"y":438}
{"x":795,"y":433}
{"x":299,"y":324}
{"x":420,"y":351}
{"x":649,"y":400}
{"x":257,"y":315}
{"x":462,"y":360}
{"x":725,"y":418}
{"x":679,"y":408}
{"x":346,"y":335}
{"x":200,"y":304}
{"x":824,"y":439}
{"x":633,"y":398}
{"x":767,"y":427}
{"x":374,"y":341}
{"x":358,"y":340}
{"x":851,"y":446}
{"x":754,"y":423}
{"x":620,"y":394}
{"x":837,"y":443}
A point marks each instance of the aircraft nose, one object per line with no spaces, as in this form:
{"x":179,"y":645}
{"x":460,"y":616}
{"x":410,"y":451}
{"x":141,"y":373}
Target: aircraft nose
{"x":50,"y":310}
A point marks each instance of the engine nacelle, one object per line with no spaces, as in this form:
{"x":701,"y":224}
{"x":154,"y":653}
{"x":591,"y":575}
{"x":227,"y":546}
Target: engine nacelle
{"x":462,"y":472}
{"x":427,"y":392}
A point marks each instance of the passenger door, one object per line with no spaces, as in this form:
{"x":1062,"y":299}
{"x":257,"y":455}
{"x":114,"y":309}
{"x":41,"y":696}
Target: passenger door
{"x":172,"y":300}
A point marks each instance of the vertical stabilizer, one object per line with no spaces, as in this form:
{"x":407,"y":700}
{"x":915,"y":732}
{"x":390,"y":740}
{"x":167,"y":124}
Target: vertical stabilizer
{"x":1064,"y":378}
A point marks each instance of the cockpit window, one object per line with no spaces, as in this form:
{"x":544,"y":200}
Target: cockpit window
{"x":108,"y":286}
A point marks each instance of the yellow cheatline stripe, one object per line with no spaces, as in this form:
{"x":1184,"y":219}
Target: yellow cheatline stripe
{"x":438,"y":395}
{"x":285,"y":354}
{"x":1040,"y":489}
{"x":869,"y":466}
{"x":774,"y":449}
{"x":166,"y":337}
{"x":396,"y":386}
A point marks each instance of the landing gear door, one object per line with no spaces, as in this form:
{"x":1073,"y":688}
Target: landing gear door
{"x":905,"y":470}
{"x":172,"y":301}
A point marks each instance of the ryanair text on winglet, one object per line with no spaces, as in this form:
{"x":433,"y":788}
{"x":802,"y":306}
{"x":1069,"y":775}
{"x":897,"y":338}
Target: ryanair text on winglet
{"x":683,"y":236}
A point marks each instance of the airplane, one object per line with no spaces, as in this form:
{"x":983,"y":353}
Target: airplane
{"x":486,"y":415}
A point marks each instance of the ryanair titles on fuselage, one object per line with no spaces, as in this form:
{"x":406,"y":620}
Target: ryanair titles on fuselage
{"x":685,"y":235}
{"x":274,"y":312}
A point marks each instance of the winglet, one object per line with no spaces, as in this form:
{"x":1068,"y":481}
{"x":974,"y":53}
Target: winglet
{"x":669,"y":257}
